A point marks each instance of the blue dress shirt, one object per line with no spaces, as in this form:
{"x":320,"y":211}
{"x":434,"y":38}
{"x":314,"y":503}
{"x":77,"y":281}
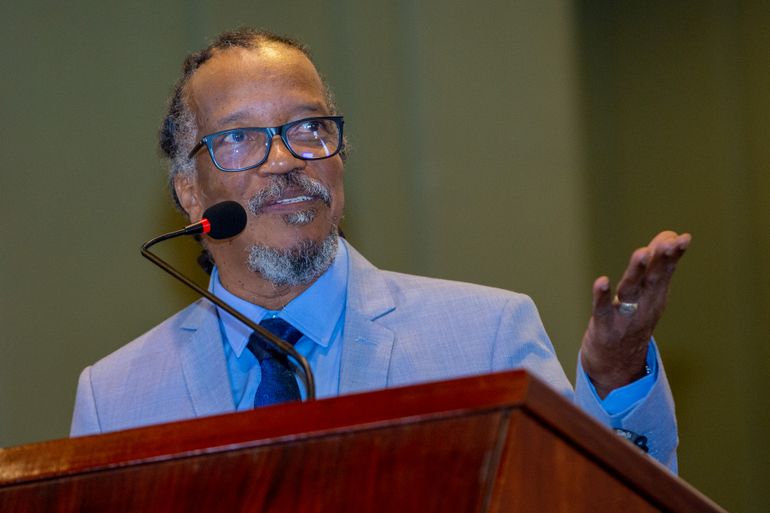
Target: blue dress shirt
{"x":319,"y":313}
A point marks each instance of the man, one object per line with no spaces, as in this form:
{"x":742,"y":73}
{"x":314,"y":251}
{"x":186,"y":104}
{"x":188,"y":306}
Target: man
{"x":252,"y":121}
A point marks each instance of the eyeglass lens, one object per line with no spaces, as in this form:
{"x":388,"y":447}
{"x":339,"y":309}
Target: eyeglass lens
{"x":308,"y":139}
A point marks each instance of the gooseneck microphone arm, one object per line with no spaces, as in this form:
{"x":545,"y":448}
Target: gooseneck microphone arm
{"x":279,"y":343}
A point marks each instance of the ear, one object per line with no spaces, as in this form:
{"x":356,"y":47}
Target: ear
{"x":187,"y":191}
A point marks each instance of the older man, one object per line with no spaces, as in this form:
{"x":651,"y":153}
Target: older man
{"x":252,"y":121}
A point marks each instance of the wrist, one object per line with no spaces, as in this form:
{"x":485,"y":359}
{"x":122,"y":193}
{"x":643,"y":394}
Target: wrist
{"x":607,"y":377}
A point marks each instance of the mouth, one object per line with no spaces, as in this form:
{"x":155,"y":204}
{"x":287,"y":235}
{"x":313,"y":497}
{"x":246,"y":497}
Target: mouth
{"x":293,"y":200}
{"x":294,"y":209}
{"x":287,"y":193}
{"x":287,"y":202}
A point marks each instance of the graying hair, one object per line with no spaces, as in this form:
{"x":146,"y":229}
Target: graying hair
{"x":177,"y":135}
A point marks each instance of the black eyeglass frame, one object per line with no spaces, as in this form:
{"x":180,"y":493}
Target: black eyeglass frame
{"x":271,"y":133}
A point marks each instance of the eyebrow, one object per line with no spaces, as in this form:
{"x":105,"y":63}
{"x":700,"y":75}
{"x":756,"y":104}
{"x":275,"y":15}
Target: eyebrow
{"x":238,"y":116}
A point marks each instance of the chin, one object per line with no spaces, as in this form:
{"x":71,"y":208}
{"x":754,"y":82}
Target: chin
{"x":285,"y":236}
{"x":296,"y":264}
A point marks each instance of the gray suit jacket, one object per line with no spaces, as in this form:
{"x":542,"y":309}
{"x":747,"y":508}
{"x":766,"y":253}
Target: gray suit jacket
{"x":399,"y":330}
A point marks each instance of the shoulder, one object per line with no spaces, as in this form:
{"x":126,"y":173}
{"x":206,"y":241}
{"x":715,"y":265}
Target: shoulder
{"x":143,"y":382}
{"x":419,"y":292}
{"x":163,"y":339}
{"x":411,"y":289}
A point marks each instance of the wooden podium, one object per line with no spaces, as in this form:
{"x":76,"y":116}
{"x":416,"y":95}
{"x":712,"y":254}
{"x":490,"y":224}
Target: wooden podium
{"x":495,"y":443}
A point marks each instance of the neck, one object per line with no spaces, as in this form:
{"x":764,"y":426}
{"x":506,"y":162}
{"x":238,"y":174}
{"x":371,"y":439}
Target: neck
{"x":255,"y":289}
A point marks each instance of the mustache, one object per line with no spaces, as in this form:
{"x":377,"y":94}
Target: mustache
{"x":297,"y":182}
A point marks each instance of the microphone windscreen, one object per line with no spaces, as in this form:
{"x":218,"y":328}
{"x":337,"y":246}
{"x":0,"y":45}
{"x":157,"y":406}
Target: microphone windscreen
{"x":227,"y":219}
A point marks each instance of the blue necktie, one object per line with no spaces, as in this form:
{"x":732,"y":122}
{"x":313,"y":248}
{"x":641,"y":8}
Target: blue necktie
{"x":278,"y":384}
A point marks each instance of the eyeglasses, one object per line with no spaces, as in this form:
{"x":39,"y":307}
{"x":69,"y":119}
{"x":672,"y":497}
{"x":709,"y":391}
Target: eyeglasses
{"x":239,"y":149}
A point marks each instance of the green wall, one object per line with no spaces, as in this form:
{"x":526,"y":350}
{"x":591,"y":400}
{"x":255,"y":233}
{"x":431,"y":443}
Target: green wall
{"x":527,"y":145}
{"x":677,"y":116}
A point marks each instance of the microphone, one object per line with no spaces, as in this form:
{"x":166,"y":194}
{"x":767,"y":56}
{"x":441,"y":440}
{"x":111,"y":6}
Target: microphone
{"x":222,"y":221}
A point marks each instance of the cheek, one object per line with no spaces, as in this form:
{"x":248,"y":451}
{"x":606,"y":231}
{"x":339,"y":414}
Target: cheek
{"x":339,"y":203}
{"x":336,"y":183}
{"x":224,"y":186}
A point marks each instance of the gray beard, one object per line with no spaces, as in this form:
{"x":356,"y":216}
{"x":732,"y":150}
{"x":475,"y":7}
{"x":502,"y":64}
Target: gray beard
{"x":307,"y":260}
{"x":294,"y":266}
{"x":301,"y":217}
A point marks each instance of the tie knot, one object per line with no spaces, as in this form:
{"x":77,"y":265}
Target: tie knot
{"x":282,"y":329}
{"x":262,"y":348}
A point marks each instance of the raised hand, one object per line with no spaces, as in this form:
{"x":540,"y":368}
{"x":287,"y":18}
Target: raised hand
{"x":614,"y":348}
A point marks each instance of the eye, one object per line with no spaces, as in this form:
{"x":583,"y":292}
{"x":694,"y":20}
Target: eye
{"x":234,"y":137}
{"x":313,"y":129}
{"x":311,"y":125}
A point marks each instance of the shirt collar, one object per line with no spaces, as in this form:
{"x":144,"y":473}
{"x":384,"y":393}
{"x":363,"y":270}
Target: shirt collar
{"x":315,"y":312}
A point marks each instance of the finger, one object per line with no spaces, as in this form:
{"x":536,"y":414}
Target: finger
{"x":670,"y":243}
{"x":666,"y":235}
{"x":602,"y":300}
{"x":629,"y":288}
{"x":682,"y":242}
{"x":665,"y":255}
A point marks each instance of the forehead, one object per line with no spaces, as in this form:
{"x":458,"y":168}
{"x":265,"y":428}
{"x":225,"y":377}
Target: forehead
{"x":267,"y":86}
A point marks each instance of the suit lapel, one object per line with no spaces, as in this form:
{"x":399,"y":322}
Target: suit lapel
{"x":367,"y":344}
{"x":366,"y":348}
{"x":203,"y":362}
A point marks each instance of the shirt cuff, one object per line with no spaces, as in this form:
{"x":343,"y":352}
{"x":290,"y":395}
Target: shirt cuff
{"x":623,"y":399}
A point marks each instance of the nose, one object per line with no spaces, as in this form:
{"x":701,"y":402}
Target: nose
{"x":280,"y":160}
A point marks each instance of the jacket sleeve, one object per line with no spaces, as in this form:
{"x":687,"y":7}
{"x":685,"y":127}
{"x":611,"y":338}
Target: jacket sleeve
{"x":521,"y":342}
{"x":653,"y":416}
